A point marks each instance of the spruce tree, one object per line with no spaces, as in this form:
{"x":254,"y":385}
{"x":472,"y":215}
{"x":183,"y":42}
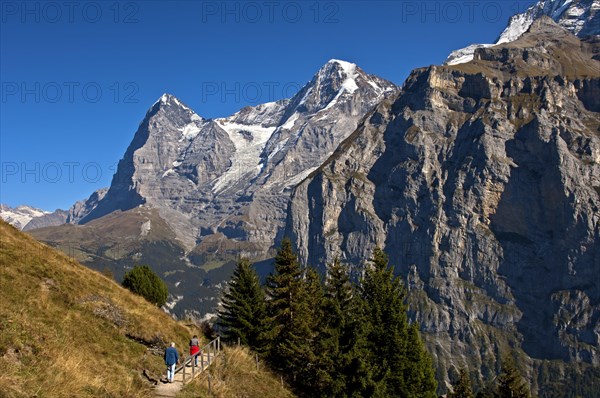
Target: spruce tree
{"x":342,"y":336}
{"x":243,"y":312}
{"x":385,"y":314}
{"x":336,"y":304}
{"x":285,"y":310}
{"x":510,"y":382}
{"x":399,"y":364}
{"x":462,"y":388}
{"x":419,"y":374}
{"x":312,"y":366}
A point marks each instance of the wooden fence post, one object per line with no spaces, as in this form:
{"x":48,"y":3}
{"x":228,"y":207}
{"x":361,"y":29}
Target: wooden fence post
{"x":211,"y":350}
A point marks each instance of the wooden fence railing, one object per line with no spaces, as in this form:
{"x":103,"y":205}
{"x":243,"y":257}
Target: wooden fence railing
{"x":199,"y":361}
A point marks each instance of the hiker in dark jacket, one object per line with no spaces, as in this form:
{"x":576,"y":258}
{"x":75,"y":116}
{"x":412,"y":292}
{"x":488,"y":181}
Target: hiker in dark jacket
{"x":171,"y":359}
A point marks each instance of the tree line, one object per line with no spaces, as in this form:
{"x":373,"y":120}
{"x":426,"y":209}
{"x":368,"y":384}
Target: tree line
{"x":331,"y":337}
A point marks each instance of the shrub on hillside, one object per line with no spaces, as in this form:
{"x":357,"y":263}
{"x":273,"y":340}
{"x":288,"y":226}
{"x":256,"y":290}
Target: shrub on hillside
{"x":143,"y":281}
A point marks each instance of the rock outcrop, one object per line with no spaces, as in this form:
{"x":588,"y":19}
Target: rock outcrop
{"x":82,"y":208}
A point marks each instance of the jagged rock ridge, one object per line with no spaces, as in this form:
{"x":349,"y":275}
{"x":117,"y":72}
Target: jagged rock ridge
{"x":82,"y":208}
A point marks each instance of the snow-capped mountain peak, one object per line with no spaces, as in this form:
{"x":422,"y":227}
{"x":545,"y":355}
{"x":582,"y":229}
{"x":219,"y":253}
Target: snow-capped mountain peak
{"x":168,"y":99}
{"x":580,"y":17}
{"x":335,"y":82}
{"x":263,"y":131}
{"x":20,"y":216}
{"x":335,"y":70}
{"x":345,"y":70}
{"x":163,"y":99}
{"x":344,"y":64}
{"x":189,"y":122}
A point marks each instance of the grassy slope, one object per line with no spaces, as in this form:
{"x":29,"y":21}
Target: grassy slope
{"x":235,"y":375}
{"x":68,"y":331}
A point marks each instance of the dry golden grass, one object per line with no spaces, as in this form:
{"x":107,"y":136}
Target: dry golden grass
{"x":68,"y":331}
{"x":234,"y":375}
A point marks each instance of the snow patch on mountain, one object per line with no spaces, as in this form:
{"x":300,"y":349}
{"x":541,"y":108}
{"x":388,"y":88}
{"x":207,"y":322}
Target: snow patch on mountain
{"x":464,"y":54}
{"x":280,"y":145}
{"x":560,"y":9}
{"x":168,"y":173}
{"x":190,"y":131}
{"x":289,"y":124}
{"x":305,"y":96}
{"x":249,"y":141}
{"x":516,"y":27}
{"x":295,"y":180}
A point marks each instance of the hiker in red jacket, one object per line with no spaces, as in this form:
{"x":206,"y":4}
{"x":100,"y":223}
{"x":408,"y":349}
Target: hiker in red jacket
{"x":195,"y":348}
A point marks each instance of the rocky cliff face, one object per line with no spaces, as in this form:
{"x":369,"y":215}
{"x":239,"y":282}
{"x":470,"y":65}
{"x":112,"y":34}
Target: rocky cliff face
{"x":82,"y":208}
{"x":482,"y":183}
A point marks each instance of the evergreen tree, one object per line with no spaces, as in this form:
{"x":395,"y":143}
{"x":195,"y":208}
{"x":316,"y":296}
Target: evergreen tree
{"x":385,"y":314}
{"x":343,"y":333}
{"x":336,"y":305}
{"x":243,"y":314}
{"x":462,"y":388}
{"x":399,"y":364}
{"x":419,"y":374}
{"x":143,"y":281}
{"x":312,"y":366}
{"x":510,"y":382}
{"x":285,"y":311}
{"x":340,"y":341}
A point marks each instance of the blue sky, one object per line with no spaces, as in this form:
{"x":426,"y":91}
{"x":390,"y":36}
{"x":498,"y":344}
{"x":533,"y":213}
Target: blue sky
{"x":77,"y":77}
